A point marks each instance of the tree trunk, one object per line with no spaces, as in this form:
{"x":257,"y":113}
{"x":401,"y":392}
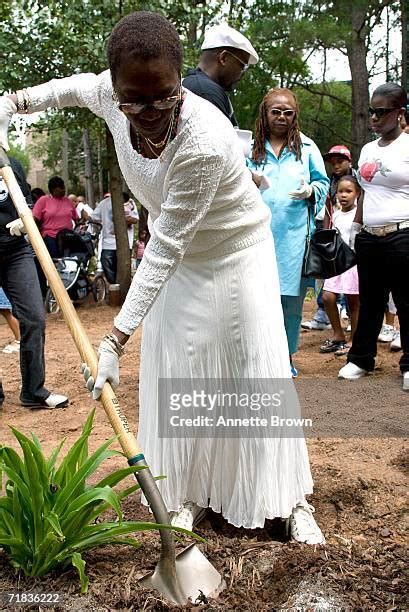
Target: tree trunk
{"x":64,"y":157}
{"x":123,"y":253}
{"x":357,"y":52}
{"x":89,"y":184}
{"x":405,"y":47}
{"x":99,"y":164}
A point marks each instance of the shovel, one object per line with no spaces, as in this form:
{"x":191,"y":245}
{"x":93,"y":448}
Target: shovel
{"x":190,"y":574}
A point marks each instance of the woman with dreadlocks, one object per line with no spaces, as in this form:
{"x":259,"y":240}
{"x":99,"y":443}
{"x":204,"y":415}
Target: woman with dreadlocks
{"x":298,"y":186}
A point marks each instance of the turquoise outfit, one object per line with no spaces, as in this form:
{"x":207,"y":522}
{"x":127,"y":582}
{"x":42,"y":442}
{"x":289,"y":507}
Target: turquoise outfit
{"x":289,"y":221}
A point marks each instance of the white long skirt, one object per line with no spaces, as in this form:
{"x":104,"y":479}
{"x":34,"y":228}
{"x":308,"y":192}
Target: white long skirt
{"x":221,"y":318}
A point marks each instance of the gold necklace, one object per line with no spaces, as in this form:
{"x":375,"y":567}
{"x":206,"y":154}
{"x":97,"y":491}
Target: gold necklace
{"x":151,"y":150}
{"x":163,"y":142}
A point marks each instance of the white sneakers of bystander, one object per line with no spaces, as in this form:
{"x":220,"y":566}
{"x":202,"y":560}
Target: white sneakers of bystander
{"x":12,"y":347}
{"x":315,"y":325}
{"x":396,"y":343}
{"x":387,"y":333}
{"x":350,"y":371}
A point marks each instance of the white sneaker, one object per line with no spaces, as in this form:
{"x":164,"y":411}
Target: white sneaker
{"x":405,"y":385}
{"x":188,"y":516}
{"x":350,"y":371}
{"x":13,"y":347}
{"x":387,"y":333}
{"x":349,"y":328}
{"x":319,"y":325}
{"x":344,"y":314}
{"x":396,"y":343}
{"x":303,"y":526}
{"x":54,"y":400}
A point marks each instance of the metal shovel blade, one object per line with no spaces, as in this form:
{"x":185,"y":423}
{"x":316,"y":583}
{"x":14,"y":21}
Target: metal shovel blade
{"x":197,"y":577}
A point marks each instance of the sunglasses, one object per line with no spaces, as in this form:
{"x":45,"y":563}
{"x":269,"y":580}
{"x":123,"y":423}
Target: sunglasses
{"x":276,"y":112}
{"x":380,"y":111}
{"x":136,"y":108}
{"x":243,"y":64}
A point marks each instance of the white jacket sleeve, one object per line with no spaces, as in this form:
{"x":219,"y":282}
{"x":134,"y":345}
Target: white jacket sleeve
{"x":192,"y":186}
{"x":85,"y":90}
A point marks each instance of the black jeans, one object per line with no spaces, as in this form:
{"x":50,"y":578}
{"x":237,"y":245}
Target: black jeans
{"x":18,"y":277}
{"x":383,"y":267}
{"x":108,"y":263}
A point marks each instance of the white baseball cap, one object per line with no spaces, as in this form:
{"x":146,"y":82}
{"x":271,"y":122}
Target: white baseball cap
{"x":224,"y":36}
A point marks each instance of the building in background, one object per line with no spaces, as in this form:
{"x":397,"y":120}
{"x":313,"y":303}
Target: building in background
{"x":37,"y":175}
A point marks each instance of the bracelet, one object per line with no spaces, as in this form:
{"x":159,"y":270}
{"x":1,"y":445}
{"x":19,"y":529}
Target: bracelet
{"x":114,"y":343}
{"x":20,"y":102}
{"x":23,"y":101}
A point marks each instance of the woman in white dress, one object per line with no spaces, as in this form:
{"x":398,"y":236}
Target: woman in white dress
{"x":207,"y":287}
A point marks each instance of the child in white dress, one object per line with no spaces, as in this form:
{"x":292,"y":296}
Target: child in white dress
{"x":348,"y":192}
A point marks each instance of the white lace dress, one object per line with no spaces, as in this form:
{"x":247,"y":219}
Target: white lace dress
{"x":207,"y":291}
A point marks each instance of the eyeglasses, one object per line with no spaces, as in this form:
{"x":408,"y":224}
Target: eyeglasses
{"x":276,"y":112}
{"x":136,"y":108}
{"x":381,"y":112}
{"x":243,"y":64}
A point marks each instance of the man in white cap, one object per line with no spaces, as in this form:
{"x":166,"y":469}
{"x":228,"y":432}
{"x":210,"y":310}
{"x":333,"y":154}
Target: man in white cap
{"x":226,"y":55}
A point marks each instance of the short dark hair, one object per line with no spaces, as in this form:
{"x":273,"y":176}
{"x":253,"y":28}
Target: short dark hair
{"x":55,"y":181}
{"x":211,"y":55}
{"x":145,"y":35}
{"x":36,"y":193}
{"x":351,"y":179}
{"x":394,"y":92}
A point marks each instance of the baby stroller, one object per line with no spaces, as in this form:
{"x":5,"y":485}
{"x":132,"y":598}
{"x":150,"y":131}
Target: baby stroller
{"x":75,"y":252}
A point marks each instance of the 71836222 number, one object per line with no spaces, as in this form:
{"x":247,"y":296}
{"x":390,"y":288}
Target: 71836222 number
{"x":28,"y":598}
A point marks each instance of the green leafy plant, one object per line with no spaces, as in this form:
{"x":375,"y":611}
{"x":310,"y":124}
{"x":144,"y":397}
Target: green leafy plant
{"x":48,"y":515}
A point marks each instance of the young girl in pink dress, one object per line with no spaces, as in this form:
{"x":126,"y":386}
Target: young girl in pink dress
{"x":348,"y":192}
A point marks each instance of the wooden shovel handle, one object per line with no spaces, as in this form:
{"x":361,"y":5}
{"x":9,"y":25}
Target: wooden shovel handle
{"x":109,"y":401}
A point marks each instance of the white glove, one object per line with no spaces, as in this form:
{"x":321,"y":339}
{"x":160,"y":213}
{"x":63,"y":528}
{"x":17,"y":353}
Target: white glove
{"x":245,"y":138}
{"x":355,"y":229}
{"x":108,"y":370}
{"x":16,"y":227}
{"x":7,"y":110}
{"x":302,"y":193}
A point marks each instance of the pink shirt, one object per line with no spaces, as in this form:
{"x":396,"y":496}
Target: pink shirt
{"x":54,"y":214}
{"x":140,"y":248}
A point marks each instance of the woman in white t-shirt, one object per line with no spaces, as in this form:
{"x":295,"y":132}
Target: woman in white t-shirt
{"x":381,"y":228}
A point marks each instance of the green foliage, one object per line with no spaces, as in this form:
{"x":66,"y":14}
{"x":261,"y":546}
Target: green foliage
{"x":42,"y":40}
{"x":20,"y":154}
{"x":49,"y":514}
{"x":325,"y":113}
{"x":47,"y":146}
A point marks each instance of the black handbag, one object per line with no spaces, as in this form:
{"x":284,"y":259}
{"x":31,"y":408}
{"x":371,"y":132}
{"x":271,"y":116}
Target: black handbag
{"x":326,"y":254}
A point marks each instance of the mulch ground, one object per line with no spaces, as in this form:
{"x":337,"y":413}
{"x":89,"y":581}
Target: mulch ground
{"x":360,"y":472}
